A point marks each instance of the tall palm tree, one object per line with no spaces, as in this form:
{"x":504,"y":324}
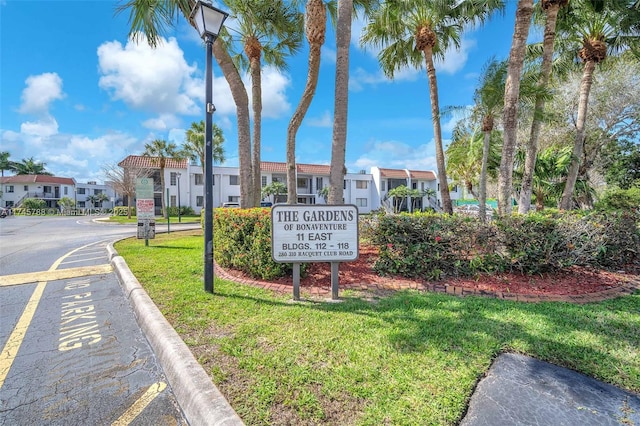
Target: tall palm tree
{"x":271,"y":29}
{"x":464,"y":157}
{"x":152,"y":19}
{"x":601,"y":32}
{"x":524,"y":13}
{"x":160,"y":152}
{"x":551,"y":9}
{"x":315,"y":30}
{"x":413,"y":33}
{"x":489,"y":105}
{"x":194,"y":146}
{"x":29,"y":166}
{"x":5,"y":163}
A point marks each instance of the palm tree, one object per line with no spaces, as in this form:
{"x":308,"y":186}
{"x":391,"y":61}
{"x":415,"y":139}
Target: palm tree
{"x":274,"y":188}
{"x":601,"y":32}
{"x":549,"y":175}
{"x":29,"y":166}
{"x":465,"y":157}
{"x":524,"y":12}
{"x":413,"y":33}
{"x":194,"y":145}
{"x":160,"y":152}
{"x":551,"y":8}
{"x":315,"y":30}
{"x":273,"y":29}
{"x":489,"y":104}
{"x":5,"y":163}
{"x":151,"y":19}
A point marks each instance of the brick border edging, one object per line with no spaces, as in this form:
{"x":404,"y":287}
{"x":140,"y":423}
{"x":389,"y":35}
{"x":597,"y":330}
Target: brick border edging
{"x":627,"y":288}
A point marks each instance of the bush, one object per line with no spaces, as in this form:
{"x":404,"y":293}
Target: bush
{"x":184,"y":211}
{"x":242,"y":241}
{"x":620,"y":199}
{"x":34,"y":204}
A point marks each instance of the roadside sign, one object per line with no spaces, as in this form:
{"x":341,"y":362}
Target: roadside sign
{"x":314,"y":233}
{"x":144,"y":188}
{"x":145,"y":204}
{"x":145,"y":209}
{"x":146,"y":229}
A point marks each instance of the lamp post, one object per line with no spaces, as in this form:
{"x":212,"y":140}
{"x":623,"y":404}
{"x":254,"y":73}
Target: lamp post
{"x":208,"y":21}
{"x":179,"y":216}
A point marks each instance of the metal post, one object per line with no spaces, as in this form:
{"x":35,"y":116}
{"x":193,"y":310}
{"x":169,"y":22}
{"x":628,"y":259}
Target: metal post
{"x":334,"y":280}
{"x":167,"y":212}
{"x":179,"y":216}
{"x":208,"y":172}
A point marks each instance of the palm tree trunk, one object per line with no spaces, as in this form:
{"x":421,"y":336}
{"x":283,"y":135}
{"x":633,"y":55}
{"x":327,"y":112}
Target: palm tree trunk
{"x":532,"y":144}
{"x":511,"y":93}
{"x":482,"y":197}
{"x":316,"y":24}
{"x":437,"y":133}
{"x":165,"y":211}
{"x":566,"y":202}
{"x":256,"y":92}
{"x":337,"y":169}
{"x":241,"y":100}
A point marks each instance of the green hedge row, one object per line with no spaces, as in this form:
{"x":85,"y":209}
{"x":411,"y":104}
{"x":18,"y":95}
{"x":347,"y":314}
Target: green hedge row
{"x":433,"y":246}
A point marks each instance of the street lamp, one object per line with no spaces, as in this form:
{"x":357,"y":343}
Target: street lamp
{"x":179,"y":216}
{"x":208,"y":21}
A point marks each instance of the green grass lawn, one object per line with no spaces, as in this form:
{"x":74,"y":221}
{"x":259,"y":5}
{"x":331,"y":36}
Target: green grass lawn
{"x":406,"y":359}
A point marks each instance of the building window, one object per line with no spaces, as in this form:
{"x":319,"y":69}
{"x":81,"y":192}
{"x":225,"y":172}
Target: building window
{"x":8,"y":204}
{"x":199,"y":179}
{"x":9,"y":188}
{"x":361,"y":202}
{"x":264,"y":181}
{"x":422,"y":185}
{"x":97,"y":191}
{"x":361,"y":184}
{"x":26,"y":188}
{"x":173,"y":201}
{"x":344,"y":184}
{"x":81,"y":191}
{"x":455,"y":188}
{"x":199,"y":201}
{"x":277,"y":179}
{"x":233,"y":180}
{"x":81,"y":204}
{"x":66,"y":190}
{"x":47,"y":190}
{"x":173,"y":177}
{"x":319,"y":184}
{"x":233,"y":199}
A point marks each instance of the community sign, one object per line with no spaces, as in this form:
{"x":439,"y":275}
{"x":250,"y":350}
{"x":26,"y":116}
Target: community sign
{"x":314,"y":233}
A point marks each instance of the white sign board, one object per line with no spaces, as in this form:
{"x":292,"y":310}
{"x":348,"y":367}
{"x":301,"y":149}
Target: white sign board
{"x":145,"y":205}
{"x":314,"y":233}
{"x":145,"y":209}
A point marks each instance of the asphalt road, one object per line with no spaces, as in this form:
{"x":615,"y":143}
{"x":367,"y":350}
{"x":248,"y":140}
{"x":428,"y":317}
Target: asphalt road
{"x":72,"y":351}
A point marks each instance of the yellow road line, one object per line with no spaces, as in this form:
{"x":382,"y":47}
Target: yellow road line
{"x":10,"y":350}
{"x":142,"y":402}
{"x":58,"y":274}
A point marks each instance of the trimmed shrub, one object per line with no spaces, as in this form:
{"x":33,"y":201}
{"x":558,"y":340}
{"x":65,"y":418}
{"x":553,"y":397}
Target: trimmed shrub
{"x":184,"y":211}
{"x":34,"y":204}
{"x":242,"y":241}
{"x":620,"y":199}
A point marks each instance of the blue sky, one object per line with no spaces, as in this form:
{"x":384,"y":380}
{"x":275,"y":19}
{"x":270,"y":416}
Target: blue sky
{"x":77,"y":95}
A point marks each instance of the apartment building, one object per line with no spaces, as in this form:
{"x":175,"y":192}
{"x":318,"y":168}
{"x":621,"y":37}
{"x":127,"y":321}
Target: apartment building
{"x":184,"y":184}
{"x":17,"y":188}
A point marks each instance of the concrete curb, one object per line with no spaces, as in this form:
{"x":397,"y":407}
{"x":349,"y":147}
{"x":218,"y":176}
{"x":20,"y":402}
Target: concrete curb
{"x":200,"y":400}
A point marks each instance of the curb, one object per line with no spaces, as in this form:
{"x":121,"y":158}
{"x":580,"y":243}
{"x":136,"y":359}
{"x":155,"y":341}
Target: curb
{"x":200,"y":400}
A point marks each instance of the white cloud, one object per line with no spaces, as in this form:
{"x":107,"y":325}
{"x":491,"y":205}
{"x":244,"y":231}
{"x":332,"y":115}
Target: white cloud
{"x":43,"y":128}
{"x":455,"y":59}
{"x":41,"y":90}
{"x":67,"y":160}
{"x":162,"y":122}
{"x":177,"y":136}
{"x":147,"y":79}
{"x":328,"y":55}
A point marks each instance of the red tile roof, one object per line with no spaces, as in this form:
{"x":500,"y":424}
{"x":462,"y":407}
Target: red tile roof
{"x":145,"y":162}
{"x":38,"y":179}
{"x":313,"y":169}
{"x":393,"y":173}
{"x":421,"y":174}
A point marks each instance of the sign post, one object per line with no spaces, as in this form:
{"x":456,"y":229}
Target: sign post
{"x":145,"y":209}
{"x":314,"y":233}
